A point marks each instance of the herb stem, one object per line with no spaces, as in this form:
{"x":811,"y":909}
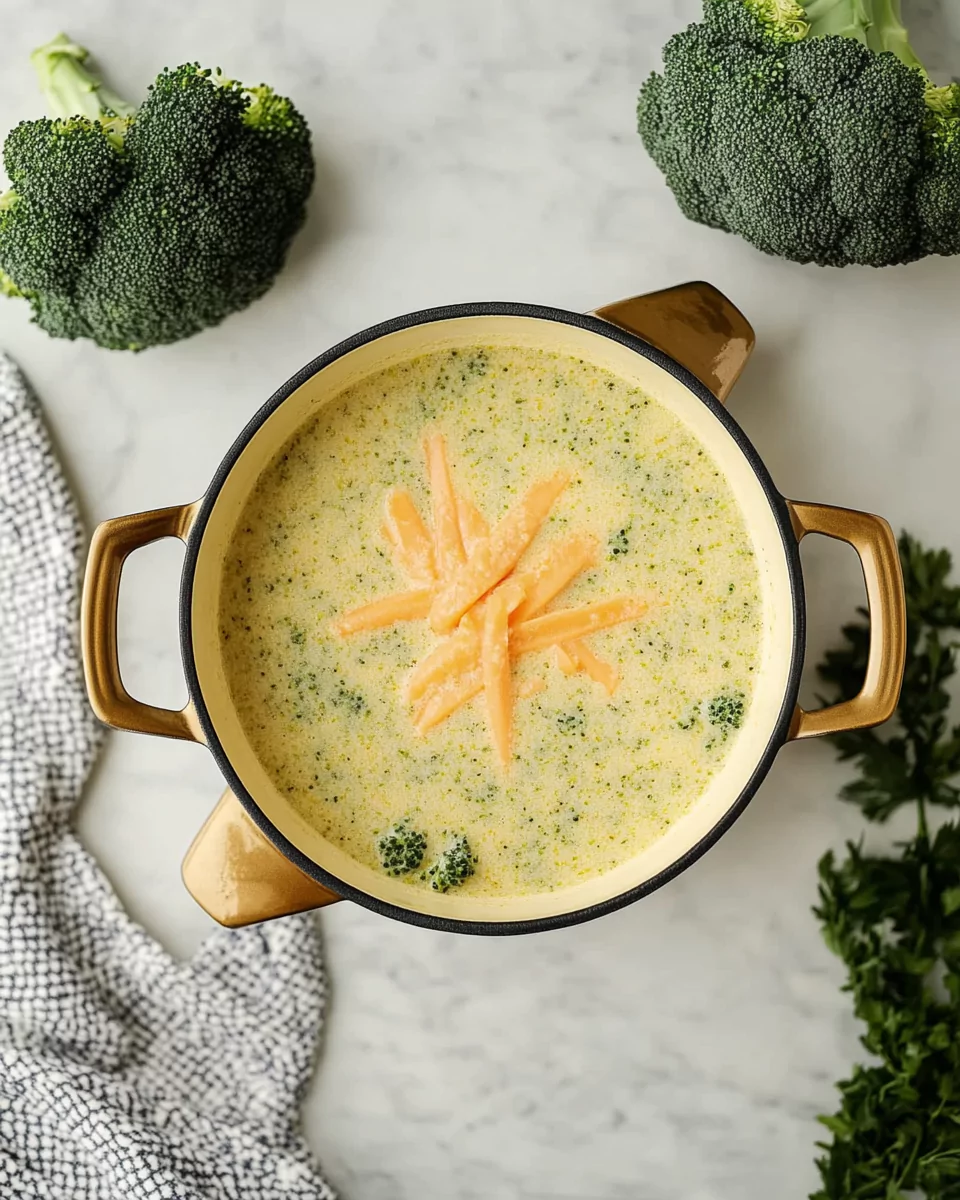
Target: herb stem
{"x":923,"y":831}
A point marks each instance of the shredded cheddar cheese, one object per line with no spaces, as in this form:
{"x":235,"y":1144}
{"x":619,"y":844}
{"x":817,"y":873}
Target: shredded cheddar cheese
{"x":486,"y":607}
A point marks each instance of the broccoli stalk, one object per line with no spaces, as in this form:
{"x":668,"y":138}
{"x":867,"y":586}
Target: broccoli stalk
{"x":140,"y":226}
{"x":809,"y":127}
{"x":876,"y":24}
{"x":72,"y":90}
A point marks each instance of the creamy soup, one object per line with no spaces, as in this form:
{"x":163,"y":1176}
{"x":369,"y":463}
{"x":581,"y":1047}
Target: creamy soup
{"x":492,"y":620}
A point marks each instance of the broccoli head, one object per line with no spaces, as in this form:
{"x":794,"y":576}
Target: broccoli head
{"x":137,"y":227}
{"x":810,"y":129}
{"x":454,"y":866}
{"x":401,"y":848}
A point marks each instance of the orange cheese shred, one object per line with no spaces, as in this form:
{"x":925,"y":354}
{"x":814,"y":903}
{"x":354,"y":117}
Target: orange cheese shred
{"x":457,"y":653}
{"x":446,"y":524}
{"x":495,"y":667}
{"x":582,"y":658}
{"x":472,"y":522}
{"x":411,"y":541}
{"x":403,"y":606}
{"x":442,"y":701}
{"x":569,"y":624}
{"x":496,"y":555}
{"x":460,"y":651}
{"x":548,"y":577}
{"x":564,"y":660}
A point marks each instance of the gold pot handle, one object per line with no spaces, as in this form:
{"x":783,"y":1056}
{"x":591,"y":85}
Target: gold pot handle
{"x":239,"y":877}
{"x":873,"y":540}
{"x":696,"y":325}
{"x":111,"y":543}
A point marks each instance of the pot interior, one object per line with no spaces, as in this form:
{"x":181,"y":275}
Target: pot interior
{"x":772,"y":687}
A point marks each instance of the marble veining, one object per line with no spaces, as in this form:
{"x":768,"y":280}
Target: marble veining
{"x":679,"y":1049}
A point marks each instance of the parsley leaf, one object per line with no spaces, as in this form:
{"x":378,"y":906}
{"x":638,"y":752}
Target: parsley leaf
{"x":895,"y":920}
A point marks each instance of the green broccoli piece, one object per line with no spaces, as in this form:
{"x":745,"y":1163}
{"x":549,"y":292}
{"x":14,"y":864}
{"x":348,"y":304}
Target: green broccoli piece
{"x":138,"y":227}
{"x":401,"y":848}
{"x":573,"y":722}
{"x":454,"y":865}
{"x":619,"y":542}
{"x":810,"y":129}
{"x":349,"y":699}
{"x":726,"y":711}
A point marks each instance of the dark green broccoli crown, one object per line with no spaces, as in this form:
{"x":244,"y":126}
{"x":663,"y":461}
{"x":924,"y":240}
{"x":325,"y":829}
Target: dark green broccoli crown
{"x":726,"y":710}
{"x":938,"y":187}
{"x":454,"y":865}
{"x":811,"y":145}
{"x":64,"y":175}
{"x":149,"y":236}
{"x":401,"y":848}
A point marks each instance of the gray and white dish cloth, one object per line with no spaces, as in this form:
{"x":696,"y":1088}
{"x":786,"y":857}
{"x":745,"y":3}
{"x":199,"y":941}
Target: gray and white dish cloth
{"x":124,"y":1074}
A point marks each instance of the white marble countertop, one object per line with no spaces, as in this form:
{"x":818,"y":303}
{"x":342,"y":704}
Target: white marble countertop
{"x":679,"y":1049}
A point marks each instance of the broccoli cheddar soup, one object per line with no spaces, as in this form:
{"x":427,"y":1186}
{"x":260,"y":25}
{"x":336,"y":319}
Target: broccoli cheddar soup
{"x":492,"y":620}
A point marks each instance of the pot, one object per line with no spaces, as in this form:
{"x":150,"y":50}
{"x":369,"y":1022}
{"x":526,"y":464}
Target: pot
{"x":256,"y":858}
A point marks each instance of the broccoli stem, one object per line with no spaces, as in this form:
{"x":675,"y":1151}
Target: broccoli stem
{"x":876,"y":23}
{"x":71,"y":90}
{"x":887,"y":32}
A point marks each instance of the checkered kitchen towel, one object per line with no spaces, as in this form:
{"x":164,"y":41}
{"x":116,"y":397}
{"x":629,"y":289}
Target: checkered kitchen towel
{"x":124,"y":1075}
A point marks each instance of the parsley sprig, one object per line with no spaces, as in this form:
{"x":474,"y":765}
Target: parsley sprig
{"x":895,"y":920}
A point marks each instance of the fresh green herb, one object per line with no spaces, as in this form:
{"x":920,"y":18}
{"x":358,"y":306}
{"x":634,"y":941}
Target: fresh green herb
{"x":454,"y":866}
{"x":894,"y":919}
{"x":401,"y":848}
{"x":136,"y":226}
{"x":866,"y":165}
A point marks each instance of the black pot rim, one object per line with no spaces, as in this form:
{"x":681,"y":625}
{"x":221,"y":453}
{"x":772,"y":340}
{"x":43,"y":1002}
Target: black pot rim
{"x":791,"y":552}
